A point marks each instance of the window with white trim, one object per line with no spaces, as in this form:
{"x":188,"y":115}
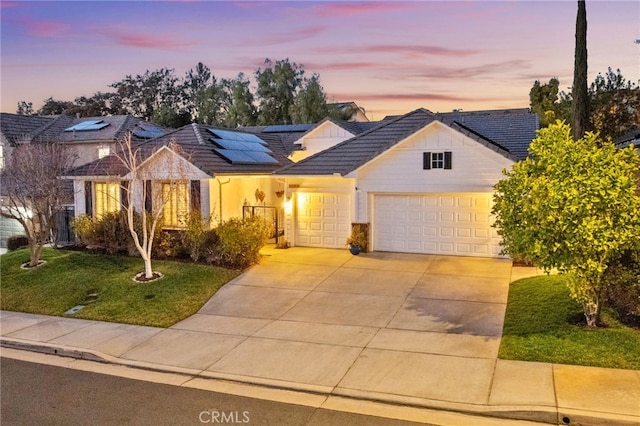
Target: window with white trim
{"x":103,"y":151}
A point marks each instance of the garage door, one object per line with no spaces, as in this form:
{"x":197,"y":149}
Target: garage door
{"x":455,"y":224}
{"x":322,"y":220}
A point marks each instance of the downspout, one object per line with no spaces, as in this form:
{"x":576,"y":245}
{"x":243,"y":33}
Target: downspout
{"x":220,"y":183}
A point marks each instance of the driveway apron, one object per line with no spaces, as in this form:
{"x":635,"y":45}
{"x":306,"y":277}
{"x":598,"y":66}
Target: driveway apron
{"x":416,"y":326}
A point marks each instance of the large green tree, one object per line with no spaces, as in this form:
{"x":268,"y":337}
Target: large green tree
{"x":614,"y":104}
{"x":573,"y":205}
{"x":580,"y":106}
{"x":242,"y":111}
{"x":310,"y":104}
{"x":278,"y":85}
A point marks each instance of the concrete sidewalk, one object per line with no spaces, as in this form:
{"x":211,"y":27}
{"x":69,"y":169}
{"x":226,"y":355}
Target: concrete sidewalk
{"x":328,"y":323}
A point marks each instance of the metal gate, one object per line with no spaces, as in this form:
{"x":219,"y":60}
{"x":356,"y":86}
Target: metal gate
{"x":269,"y":213}
{"x":63,"y":234}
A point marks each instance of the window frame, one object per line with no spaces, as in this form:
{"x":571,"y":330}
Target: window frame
{"x":175,"y":211}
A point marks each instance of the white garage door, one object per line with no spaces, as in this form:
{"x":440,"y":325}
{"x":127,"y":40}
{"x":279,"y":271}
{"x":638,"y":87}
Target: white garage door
{"x":322,"y":220}
{"x":456,"y":224}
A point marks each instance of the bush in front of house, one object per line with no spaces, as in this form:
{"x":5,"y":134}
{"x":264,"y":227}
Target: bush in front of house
{"x":623,"y":291}
{"x":241,"y":241}
{"x":109,"y":233}
{"x":194,"y":238}
{"x":15,"y":242}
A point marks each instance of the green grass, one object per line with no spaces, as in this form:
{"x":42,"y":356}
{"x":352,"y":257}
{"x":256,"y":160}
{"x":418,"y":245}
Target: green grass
{"x":544,"y":324}
{"x":68,"y":276}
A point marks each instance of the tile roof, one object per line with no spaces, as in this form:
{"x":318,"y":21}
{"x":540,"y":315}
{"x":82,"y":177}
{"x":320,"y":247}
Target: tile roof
{"x":511,"y":129}
{"x":347,"y":156}
{"x":630,"y":137}
{"x":508,"y":132}
{"x":195,"y":146}
{"x":15,"y":127}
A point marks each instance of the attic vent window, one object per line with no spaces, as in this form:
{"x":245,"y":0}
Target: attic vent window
{"x":436,"y":160}
{"x":86,"y":126}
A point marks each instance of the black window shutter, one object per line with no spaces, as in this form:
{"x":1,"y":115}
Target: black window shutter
{"x":447,"y":160}
{"x":426,"y":161}
{"x":88,"y":197}
{"x":195,"y":195}
{"x":148,"y":196}
{"x":124,"y":193}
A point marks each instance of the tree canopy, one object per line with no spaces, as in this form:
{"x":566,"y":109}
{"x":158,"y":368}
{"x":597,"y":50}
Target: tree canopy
{"x":614,"y":104}
{"x":573,"y":205}
{"x":282,"y":95}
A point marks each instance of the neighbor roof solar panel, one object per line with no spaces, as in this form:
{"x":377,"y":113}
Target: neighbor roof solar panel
{"x":87,"y":125}
{"x":285,"y":128}
{"x":238,"y":136}
{"x":240,"y":145}
{"x":147,"y":131}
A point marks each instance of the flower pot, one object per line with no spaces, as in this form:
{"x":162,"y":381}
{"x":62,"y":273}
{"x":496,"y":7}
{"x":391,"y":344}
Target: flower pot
{"x":355,"y":249}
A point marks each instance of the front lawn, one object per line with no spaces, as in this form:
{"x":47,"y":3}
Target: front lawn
{"x":543,"y":323}
{"x":69,"y":277}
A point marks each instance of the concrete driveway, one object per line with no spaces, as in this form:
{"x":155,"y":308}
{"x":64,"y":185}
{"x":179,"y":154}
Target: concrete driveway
{"x":415,"y":326}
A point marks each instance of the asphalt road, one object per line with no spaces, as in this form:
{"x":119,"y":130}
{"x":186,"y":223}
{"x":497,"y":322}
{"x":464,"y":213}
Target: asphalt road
{"x":38,"y":394}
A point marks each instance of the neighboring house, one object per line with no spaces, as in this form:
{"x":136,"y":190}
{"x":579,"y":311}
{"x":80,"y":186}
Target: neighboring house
{"x":422,"y":181}
{"x":14,"y":130}
{"x":90,"y":138}
{"x":357,"y":112}
{"x":630,"y":137}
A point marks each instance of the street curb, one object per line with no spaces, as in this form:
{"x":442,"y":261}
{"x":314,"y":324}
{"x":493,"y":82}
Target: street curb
{"x":542,"y":414}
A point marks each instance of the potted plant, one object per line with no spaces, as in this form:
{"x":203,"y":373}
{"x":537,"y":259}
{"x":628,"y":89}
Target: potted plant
{"x":358,"y":239}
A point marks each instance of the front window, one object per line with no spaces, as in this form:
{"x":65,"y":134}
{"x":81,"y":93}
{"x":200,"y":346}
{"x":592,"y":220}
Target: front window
{"x":107,"y":198}
{"x":175,"y":198}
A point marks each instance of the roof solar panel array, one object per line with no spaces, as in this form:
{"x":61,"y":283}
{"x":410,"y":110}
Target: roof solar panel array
{"x":86,"y":126}
{"x":241,"y":148}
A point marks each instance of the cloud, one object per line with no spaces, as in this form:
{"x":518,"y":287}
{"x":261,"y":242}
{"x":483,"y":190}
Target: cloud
{"x":46,"y":28}
{"x":411,"y":50}
{"x":294,"y":35}
{"x":339,"y":66}
{"x":142,"y":40}
{"x":405,"y":97}
{"x":497,"y":69}
{"x":349,"y":9}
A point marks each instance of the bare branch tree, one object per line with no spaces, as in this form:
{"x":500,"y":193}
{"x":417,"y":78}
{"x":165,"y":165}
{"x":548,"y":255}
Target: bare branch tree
{"x":154,"y":184}
{"x":33,"y":191}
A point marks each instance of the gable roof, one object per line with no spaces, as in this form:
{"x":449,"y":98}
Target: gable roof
{"x":507,"y":132}
{"x":194,"y":144}
{"x":347,"y":156}
{"x":511,"y":129}
{"x":16,"y":128}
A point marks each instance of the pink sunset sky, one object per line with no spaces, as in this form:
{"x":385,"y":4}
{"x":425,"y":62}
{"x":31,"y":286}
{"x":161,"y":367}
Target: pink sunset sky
{"x":389,"y":57}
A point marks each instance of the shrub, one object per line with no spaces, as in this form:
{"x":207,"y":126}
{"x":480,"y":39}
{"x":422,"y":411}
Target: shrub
{"x":241,"y":240}
{"x":623,"y":293}
{"x":15,"y":242}
{"x":168,"y":244}
{"x":109,"y":233}
{"x":195,"y":234}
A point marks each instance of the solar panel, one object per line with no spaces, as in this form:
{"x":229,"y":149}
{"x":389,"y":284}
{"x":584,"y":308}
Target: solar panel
{"x":240,"y":146}
{"x":87,"y":125}
{"x":261,"y":157}
{"x":147,"y":131}
{"x":229,"y":135}
{"x":285,"y":128}
{"x":235,"y":157}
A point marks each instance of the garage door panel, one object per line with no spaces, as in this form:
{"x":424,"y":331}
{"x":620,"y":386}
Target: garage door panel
{"x":322,"y":219}
{"x":455,"y":223}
